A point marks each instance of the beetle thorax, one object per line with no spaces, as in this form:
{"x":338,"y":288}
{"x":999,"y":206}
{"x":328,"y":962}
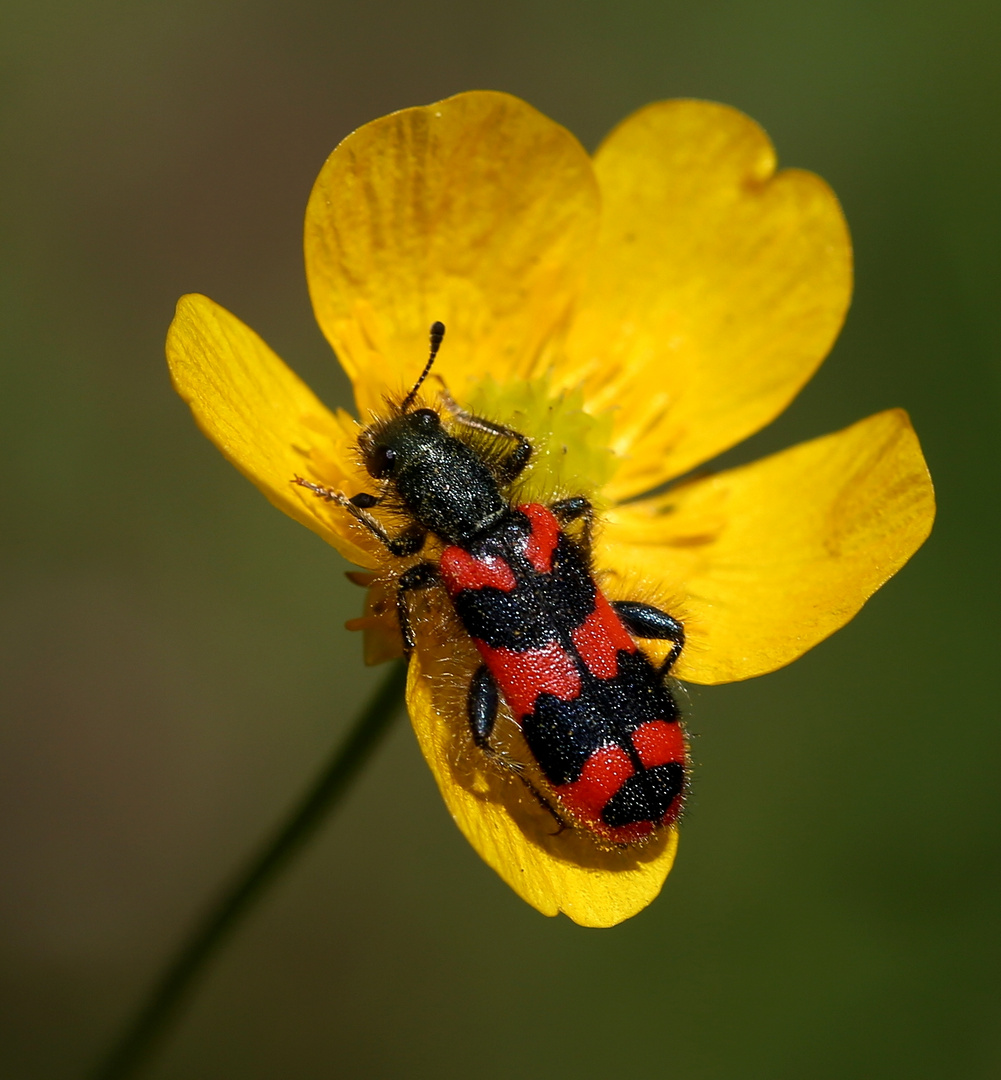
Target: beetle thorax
{"x":440,"y":480}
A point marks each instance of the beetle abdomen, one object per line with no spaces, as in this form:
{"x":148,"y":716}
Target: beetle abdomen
{"x":594,"y":711}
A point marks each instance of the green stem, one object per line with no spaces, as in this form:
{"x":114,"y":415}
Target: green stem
{"x":149,"y":1023}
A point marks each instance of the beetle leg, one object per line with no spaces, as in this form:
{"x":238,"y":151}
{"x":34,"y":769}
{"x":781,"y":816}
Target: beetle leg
{"x":647,"y":621}
{"x":417,"y":577}
{"x":509,"y":467}
{"x":567,"y":510}
{"x":481,"y":705}
{"x":409,"y":542}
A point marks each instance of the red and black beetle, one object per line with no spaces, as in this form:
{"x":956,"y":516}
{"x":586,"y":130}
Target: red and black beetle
{"x":595,"y":712}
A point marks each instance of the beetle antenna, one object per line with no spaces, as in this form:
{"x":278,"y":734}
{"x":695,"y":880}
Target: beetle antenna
{"x":437,"y":333}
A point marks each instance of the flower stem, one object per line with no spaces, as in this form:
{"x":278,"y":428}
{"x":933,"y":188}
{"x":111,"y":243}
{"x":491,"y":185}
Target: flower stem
{"x":149,"y":1023}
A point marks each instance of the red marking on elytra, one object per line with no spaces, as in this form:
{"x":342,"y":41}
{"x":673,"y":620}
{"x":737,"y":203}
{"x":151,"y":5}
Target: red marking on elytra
{"x":599,"y":638}
{"x":605,"y":772}
{"x":542,"y":540}
{"x":460,"y":570}
{"x":522,"y":676}
{"x":626,"y":834}
{"x":657,"y":742}
{"x":601,"y":777}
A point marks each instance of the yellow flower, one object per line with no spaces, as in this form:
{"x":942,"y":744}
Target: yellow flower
{"x":635,"y":314}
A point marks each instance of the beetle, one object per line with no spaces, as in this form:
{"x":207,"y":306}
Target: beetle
{"x":595,"y":712}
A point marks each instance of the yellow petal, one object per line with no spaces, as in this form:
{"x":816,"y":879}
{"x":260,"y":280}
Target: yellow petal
{"x":379,"y":626}
{"x":266,"y":421}
{"x":716,"y":290}
{"x":767,"y":560}
{"x":553,"y":871}
{"x":478,"y":211}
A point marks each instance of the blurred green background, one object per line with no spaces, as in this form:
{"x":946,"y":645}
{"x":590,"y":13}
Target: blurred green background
{"x":173,"y":666}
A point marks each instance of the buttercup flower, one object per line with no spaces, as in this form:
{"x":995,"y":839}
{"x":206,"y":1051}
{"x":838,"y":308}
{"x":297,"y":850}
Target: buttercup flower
{"x":634,"y":314}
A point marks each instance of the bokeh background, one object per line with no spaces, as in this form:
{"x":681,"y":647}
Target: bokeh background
{"x":173,"y":666}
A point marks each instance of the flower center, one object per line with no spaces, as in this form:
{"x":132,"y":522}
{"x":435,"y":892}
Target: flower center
{"x":571,"y":448}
